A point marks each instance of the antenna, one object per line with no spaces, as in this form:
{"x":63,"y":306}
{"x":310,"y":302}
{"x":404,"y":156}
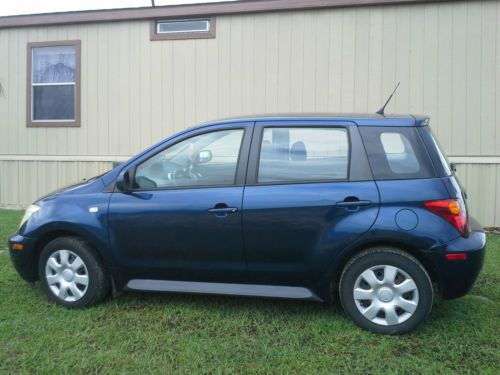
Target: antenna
{"x":381,"y":110}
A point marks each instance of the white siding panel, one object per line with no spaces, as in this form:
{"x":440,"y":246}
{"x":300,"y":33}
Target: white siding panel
{"x":4,"y":110}
{"x":487,"y":71}
{"x":458,"y":116}
{"x":297,"y":62}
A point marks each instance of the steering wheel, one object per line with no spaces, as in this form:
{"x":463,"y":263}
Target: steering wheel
{"x":186,"y":173}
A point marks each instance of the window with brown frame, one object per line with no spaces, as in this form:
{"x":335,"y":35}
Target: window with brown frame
{"x":53,"y":92}
{"x":189,"y":28}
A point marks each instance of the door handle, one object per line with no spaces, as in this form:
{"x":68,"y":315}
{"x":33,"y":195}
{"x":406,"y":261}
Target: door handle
{"x":226,"y":210}
{"x":221,"y":210}
{"x":353,"y":203}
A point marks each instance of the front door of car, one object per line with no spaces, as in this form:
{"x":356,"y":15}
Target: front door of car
{"x":309,"y":194}
{"x":182,"y":218}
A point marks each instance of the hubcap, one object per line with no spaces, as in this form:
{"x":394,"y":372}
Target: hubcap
{"x":385,"y":295}
{"x":67,"y":275}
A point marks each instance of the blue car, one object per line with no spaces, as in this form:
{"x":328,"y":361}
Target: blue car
{"x":360,"y":208}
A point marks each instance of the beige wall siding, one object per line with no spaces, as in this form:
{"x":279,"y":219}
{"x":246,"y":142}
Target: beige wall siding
{"x":21,"y":182}
{"x":136,"y":92}
{"x":481,"y":181}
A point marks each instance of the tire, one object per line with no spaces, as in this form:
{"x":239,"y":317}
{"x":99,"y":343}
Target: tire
{"x":71,"y":273}
{"x":381,"y":305}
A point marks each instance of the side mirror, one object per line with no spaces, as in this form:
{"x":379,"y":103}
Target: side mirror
{"x":204,"y":156}
{"x":453,"y":167}
{"x":123,"y":182}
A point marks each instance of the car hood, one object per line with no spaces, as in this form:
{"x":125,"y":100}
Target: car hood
{"x":73,"y":187}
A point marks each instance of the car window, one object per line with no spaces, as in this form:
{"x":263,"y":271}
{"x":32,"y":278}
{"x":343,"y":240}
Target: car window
{"x":396,"y":153}
{"x":399,"y":153}
{"x":208,"y":159}
{"x":303,"y":154}
{"x":435,"y":149}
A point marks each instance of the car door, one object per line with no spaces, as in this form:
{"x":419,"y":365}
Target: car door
{"x":182,"y":219}
{"x":309,"y":194}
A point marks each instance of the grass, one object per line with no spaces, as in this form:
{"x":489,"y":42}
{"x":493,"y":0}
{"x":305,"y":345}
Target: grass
{"x":167,"y":333}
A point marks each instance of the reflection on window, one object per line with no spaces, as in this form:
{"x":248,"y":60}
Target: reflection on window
{"x":53,"y":80}
{"x":399,"y":153}
{"x":205,"y":160}
{"x":183,"y":26}
{"x":303,"y":154}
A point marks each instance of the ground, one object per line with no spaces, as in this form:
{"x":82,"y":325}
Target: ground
{"x":165,"y":333}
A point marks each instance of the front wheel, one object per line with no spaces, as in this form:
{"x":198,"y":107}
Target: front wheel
{"x":386,"y":290}
{"x":71,"y":274}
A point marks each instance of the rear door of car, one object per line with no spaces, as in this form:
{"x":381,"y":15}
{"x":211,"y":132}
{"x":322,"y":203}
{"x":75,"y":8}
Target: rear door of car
{"x":308,"y":194}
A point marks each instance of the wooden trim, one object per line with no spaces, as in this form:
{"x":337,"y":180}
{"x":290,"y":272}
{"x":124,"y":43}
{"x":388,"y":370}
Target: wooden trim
{"x":54,"y":124}
{"x":178,"y":36}
{"x":189,"y":10}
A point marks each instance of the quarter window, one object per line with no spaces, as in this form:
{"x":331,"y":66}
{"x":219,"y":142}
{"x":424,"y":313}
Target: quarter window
{"x":208,"y":159}
{"x":399,"y":153}
{"x":303,"y":154}
{"x":53,"y":84}
{"x":396,"y":153}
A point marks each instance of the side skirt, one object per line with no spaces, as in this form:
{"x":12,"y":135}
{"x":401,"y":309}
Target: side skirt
{"x":273,"y":291}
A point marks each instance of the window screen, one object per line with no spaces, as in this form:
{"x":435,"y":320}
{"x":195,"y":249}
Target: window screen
{"x":53,"y":81}
{"x":396,"y":153}
{"x":303,"y":154}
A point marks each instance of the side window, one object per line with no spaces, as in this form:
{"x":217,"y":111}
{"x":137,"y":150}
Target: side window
{"x":399,"y":153}
{"x":205,"y":160}
{"x":396,"y":153}
{"x":303,"y":154}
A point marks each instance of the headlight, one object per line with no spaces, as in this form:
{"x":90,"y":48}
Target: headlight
{"x":29,"y":211}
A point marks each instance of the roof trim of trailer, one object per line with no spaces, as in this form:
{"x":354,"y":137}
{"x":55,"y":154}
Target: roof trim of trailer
{"x":187,"y":10}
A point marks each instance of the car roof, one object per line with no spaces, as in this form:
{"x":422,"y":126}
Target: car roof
{"x":362,"y":119}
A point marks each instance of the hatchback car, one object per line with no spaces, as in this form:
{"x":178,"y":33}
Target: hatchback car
{"x":313,"y":207}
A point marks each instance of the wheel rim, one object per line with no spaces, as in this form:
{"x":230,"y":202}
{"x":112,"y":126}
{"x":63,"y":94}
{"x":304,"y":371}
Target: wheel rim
{"x":385,"y":295}
{"x":67,"y":275}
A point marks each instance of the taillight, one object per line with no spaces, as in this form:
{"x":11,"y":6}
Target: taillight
{"x":452,"y":210}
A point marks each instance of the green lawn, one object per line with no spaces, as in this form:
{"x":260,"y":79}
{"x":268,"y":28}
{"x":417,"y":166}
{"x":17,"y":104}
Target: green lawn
{"x":165,"y":333}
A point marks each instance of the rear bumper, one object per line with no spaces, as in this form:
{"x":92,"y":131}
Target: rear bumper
{"x":456,"y":277}
{"x":24,"y":260}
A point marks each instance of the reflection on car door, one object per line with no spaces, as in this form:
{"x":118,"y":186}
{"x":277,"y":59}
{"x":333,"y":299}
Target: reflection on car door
{"x":190,"y":229}
{"x":299,"y":205}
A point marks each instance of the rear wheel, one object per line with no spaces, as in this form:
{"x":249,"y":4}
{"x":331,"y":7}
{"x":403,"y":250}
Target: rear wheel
{"x":386,"y":290}
{"x":71,"y":273}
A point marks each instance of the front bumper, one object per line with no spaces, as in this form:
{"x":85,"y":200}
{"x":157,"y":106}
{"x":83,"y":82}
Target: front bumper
{"x":25,"y":260}
{"x":456,"y":277}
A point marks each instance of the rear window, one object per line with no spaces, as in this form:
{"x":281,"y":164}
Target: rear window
{"x":396,"y":153}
